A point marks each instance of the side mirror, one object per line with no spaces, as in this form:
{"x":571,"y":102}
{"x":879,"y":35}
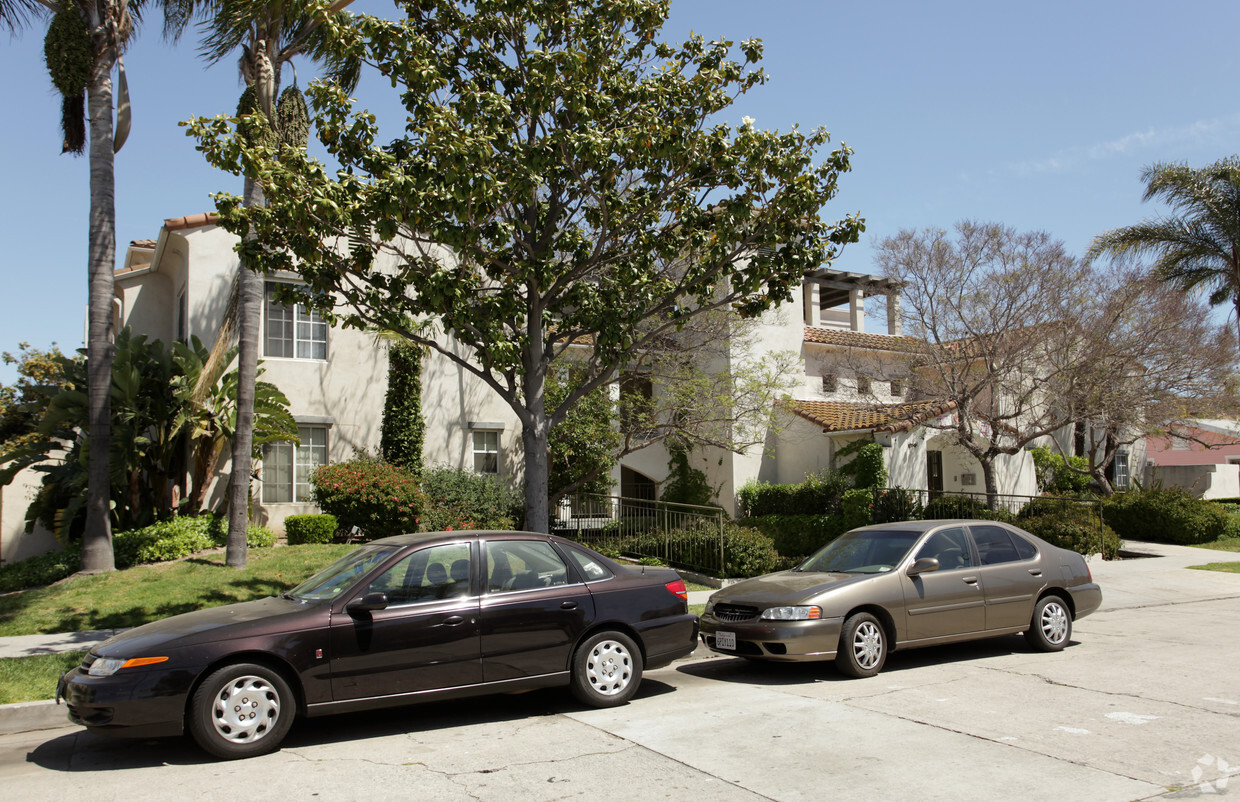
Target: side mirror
{"x":371,"y":601}
{"x":923,"y":566}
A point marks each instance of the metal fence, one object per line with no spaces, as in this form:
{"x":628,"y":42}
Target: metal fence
{"x":898,"y":504}
{"x":640,"y":528}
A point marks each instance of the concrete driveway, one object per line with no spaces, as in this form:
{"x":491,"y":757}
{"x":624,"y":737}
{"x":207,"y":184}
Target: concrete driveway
{"x":1145,"y":703}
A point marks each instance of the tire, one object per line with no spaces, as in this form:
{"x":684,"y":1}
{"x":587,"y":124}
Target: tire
{"x":863,"y":646}
{"x":607,"y":668}
{"x":242,"y":710}
{"x":1050,"y":629}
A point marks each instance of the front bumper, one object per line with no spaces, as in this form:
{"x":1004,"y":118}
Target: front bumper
{"x":130,"y":704}
{"x":779,"y":641}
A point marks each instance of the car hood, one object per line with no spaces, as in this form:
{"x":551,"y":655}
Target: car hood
{"x":262,"y":617}
{"x":786,"y":587}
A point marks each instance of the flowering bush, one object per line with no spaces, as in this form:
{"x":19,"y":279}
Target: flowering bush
{"x":377,"y":497}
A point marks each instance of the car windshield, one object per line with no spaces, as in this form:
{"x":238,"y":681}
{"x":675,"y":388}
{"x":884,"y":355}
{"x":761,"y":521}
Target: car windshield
{"x":873,"y":551}
{"x":341,"y":574}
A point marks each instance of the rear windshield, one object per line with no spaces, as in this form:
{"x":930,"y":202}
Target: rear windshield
{"x":872,"y":551}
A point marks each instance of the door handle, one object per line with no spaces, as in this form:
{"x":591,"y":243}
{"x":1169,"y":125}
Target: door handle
{"x":453,"y":621}
{"x":1035,"y":572}
{"x":568,"y":605}
{"x":970,"y":580}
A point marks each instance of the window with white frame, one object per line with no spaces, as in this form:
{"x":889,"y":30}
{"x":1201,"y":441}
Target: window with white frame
{"x":292,"y":332}
{"x":287,"y":467}
{"x":1120,"y":470}
{"x":486,"y":451}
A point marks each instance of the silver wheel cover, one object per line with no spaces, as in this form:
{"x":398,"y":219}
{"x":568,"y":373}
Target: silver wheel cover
{"x":1054,"y":623}
{"x":609,"y":668}
{"x":245,"y":709}
{"x":867,"y":644}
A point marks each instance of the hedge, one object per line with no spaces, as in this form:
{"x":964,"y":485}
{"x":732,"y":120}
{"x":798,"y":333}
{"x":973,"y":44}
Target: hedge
{"x":746,"y":552}
{"x":1076,"y":529}
{"x":300,"y":530}
{"x":798,"y":535}
{"x":461,"y":499}
{"x":1165,"y":515}
{"x":817,"y":495}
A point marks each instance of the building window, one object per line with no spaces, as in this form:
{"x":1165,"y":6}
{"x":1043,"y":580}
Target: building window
{"x":292,"y":332}
{"x":1120,"y":470}
{"x":486,"y":452}
{"x":828,"y":382}
{"x":863,"y":384}
{"x":897,"y":388}
{"x":287,"y":467}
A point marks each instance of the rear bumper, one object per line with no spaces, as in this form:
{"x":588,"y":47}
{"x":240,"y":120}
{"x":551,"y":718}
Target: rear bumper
{"x":669,"y":639}
{"x":1086,"y":599}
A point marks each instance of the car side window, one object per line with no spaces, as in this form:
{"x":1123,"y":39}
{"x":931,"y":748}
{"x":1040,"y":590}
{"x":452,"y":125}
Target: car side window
{"x":1024,"y":548}
{"x":994,"y":545}
{"x":438,"y":572}
{"x":523,"y":564}
{"x":949,"y":547}
{"x":589,"y":567}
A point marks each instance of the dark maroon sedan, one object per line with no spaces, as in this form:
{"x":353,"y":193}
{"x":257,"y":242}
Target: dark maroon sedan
{"x":404,"y":619}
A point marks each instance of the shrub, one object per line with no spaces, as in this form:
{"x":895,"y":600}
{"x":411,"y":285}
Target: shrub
{"x":896,"y":504}
{"x":819,"y":494}
{"x":41,"y":570}
{"x":1232,"y":530}
{"x":799,"y":535}
{"x":858,"y":507}
{"x":461,"y":499}
{"x":167,"y":540}
{"x":948,"y":506}
{"x":300,"y":530}
{"x":1165,"y":515}
{"x":256,"y":537}
{"x":1078,"y":529}
{"x":377,"y":497}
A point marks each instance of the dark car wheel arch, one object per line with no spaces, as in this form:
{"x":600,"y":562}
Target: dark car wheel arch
{"x":1061,"y":593}
{"x":607,"y":626}
{"x":265,"y":659}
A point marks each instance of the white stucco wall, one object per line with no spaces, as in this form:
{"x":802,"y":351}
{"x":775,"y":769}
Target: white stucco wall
{"x":15,"y":543}
{"x":1204,"y":481}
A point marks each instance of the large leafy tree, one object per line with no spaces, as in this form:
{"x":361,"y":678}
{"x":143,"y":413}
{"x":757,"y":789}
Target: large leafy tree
{"x":1198,"y":245}
{"x":266,"y":35}
{"x":85,"y":42}
{"x":561,"y":181}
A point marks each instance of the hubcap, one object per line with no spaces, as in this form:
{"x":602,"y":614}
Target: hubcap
{"x":609,"y":667}
{"x":1054,"y":622}
{"x":868,"y":644}
{"x":245,"y":709}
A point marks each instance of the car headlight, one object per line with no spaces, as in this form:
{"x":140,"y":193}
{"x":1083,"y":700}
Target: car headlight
{"x":710,"y":608}
{"x":807,"y":613}
{"x":107,"y":666}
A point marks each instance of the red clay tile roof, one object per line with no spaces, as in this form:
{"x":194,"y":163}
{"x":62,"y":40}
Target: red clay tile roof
{"x":847,"y":416}
{"x":142,"y":243}
{"x":857,"y":339}
{"x":191,"y":221}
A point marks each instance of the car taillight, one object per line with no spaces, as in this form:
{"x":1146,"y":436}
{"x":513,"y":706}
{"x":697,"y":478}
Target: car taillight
{"x":678,"y":588}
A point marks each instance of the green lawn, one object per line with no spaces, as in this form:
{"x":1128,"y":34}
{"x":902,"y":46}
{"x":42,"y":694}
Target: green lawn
{"x":1230,"y":568}
{"x":1231,"y":544}
{"x":31,"y":679}
{"x":150,"y":592}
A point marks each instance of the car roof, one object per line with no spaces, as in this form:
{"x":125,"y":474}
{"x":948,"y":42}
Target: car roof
{"x":457,"y":535}
{"x":921,"y":526}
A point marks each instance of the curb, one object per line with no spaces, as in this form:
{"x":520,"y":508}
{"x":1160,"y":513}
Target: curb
{"x":30,"y":716}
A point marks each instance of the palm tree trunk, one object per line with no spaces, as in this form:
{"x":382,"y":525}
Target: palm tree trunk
{"x":249,"y":314}
{"x":97,"y":541}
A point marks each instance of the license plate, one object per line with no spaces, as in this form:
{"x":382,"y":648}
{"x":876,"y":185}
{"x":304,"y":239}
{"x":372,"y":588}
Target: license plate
{"x":725,"y":640}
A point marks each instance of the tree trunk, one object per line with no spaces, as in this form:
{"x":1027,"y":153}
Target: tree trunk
{"x":534,"y":438}
{"x":991,"y":482}
{"x":97,"y":553}
{"x":249,"y":314}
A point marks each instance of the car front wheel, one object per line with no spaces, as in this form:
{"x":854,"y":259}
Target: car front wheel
{"x":240,"y":711}
{"x":607,"y":669}
{"x":1051,"y":626}
{"x":863,"y":646}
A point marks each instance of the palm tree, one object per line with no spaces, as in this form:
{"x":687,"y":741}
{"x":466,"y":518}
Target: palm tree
{"x":1199,"y":245}
{"x":268,"y":34}
{"x":108,"y":25}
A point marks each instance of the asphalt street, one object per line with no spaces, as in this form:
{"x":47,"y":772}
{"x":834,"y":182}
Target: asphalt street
{"x":1145,"y":703}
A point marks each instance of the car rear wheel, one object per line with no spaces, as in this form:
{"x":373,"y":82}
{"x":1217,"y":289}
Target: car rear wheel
{"x":241,"y":710}
{"x":1051,"y":626}
{"x":863,"y":646}
{"x":607,"y":669}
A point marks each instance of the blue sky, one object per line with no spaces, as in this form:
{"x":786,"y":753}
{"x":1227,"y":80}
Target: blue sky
{"x":1039,"y":116}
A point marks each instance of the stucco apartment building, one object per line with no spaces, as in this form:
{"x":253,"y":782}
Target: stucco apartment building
{"x":852,"y":384}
